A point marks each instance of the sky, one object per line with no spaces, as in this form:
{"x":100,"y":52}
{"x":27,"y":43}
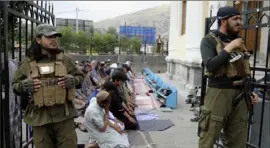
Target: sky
{"x":100,"y":10}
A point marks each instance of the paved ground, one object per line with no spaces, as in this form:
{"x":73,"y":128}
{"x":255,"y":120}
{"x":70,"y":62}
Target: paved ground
{"x":184,"y":133}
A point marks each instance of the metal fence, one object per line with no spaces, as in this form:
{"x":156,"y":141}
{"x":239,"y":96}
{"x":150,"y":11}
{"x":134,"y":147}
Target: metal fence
{"x":255,"y":19}
{"x":17,"y":20}
{"x":146,"y":49}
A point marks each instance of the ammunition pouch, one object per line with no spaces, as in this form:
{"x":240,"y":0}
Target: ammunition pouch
{"x":70,"y":85}
{"x":237,"y":65}
{"x":50,"y":92}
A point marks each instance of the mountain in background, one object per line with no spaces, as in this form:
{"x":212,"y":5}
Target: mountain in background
{"x":158,"y":17}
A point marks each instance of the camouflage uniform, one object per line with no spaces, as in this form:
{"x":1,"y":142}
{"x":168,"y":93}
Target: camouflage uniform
{"x":50,"y":110}
{"x":218,"y":111}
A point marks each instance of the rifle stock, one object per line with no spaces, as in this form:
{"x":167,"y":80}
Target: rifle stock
{"x":248,"y":93}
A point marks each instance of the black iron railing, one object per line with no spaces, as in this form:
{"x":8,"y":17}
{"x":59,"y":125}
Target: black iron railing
{"x":17,"y":23}
{"x":261,"y":19}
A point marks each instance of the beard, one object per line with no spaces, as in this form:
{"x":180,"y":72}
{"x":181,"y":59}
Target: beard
{"x":231,"y":32}
{"x":51,"y":50}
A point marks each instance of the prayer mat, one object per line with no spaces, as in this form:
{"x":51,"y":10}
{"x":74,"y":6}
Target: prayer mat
{"x":135,"y":138}
{"x":145,"y":114}
{"x":155,"y":125}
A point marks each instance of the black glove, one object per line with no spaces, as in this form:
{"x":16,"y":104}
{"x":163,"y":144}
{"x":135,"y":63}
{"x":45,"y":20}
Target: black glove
{"x":70,"y":81}
{"x":27,"y":86}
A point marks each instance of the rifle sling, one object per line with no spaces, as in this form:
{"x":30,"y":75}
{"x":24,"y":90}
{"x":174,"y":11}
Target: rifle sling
{"x":238,"y":98}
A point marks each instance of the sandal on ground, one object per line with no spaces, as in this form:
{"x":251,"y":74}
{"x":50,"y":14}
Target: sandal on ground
{"x":92,"y":145}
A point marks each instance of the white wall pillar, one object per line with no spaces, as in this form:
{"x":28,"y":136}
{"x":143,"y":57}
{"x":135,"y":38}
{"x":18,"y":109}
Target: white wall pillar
{"x":179,"y":12}
{"x":194,"y":33}
{"x":173,"y":27}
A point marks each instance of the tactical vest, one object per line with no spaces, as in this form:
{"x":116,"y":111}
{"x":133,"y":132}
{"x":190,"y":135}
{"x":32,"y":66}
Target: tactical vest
{"x":238,"y":68}
{"x":50,"y":93}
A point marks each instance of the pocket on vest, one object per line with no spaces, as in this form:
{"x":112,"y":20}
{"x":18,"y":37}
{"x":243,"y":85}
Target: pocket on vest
{"x":49,"y":96}
{"x":60,"y":94}
{"x":38,"y":97}
{"x":71,"y":94}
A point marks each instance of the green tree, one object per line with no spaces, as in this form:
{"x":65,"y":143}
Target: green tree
{"x":110,"y":42}
{"x":124,"y":43}
{"x":90,"y":32}
{"x":82,"y":40}
{"x":135,"y":44}
{"x":67,"y":41}
{"x":112,"y":31}
{"x":98,"y":42}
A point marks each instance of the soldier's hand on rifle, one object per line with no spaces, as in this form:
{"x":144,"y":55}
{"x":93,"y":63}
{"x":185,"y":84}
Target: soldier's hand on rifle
{"x":254,"y":98}
{"x":236,"y":43}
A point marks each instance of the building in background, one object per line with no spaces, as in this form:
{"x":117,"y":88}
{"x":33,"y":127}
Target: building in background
{"x":83,"y":25}
{"x":187,"y":28}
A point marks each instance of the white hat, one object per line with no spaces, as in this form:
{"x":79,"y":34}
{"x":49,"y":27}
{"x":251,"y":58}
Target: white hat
{"x":114,"y":65}
{"x":128,"y":63}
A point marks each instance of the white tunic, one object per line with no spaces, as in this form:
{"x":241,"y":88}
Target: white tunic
{"x":94,"y":121}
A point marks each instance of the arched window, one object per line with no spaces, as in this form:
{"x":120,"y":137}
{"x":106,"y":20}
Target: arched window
{"x":249,"y":19}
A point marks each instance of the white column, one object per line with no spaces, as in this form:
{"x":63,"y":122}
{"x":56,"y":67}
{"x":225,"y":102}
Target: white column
{"x":213,"y":5}
{"x":179,"y":12}
{"x":173,"y":28}
{"x":194,"y":33}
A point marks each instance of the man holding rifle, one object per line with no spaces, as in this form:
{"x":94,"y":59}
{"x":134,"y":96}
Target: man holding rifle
{"x":229,"y":95}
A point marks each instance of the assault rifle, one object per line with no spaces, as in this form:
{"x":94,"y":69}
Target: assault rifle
{"x":246,"y":94}
{"x":248,"y":88}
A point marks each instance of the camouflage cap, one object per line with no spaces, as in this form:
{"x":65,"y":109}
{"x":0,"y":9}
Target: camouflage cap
{"x":47,"y":30}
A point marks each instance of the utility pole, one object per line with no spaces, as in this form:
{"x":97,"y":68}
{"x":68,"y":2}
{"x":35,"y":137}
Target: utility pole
{"x":125,"y":28}
{"x":77,"y":11}
{"x":119,"y":44}
{"x":145,"y":47}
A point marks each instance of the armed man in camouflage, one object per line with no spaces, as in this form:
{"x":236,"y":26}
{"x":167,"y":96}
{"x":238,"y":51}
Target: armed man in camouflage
{"x":49,"y":79}
{"x":224,"y":107}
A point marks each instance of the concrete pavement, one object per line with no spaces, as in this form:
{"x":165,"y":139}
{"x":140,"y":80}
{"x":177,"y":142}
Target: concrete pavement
{"x":182,"y":135}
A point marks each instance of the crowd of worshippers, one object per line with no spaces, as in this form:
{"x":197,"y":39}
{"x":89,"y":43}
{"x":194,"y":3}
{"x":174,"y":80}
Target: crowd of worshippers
{"x":106,"y":100}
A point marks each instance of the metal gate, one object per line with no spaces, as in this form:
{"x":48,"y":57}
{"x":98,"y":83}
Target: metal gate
{"x":255,"y":19}
{"x":18,"y":20}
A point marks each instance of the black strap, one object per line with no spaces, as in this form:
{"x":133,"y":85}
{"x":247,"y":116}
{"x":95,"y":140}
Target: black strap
{"x":238,"y":98}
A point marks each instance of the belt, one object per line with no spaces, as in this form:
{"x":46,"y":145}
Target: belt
{"x":238,"y":83}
